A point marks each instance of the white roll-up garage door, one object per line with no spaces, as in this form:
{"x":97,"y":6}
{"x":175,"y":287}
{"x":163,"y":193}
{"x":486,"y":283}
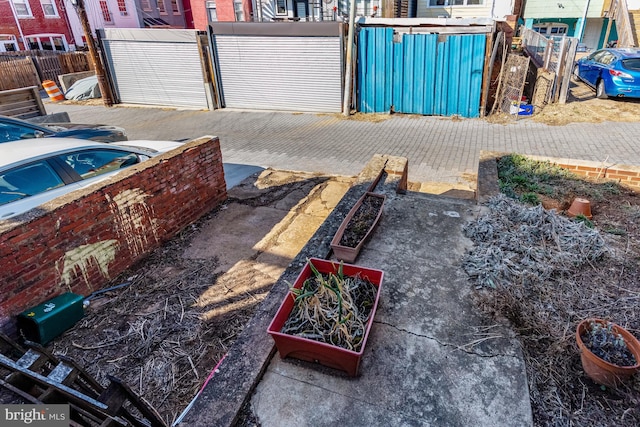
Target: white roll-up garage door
{"x":156,"y":67}
{"x":279,"y":71}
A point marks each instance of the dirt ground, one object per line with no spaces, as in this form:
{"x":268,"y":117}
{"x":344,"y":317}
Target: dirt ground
{"x":173,"y":316}
{"x":582,"y":107}
{"x":549,"y":294}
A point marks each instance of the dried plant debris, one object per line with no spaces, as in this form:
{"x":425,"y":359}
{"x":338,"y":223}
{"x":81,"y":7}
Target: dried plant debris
{"x":515,"y":243}
{"x":332,"y":308}
{"x":362,"y":221}
{"x":544,"y":273}
{"x":602,"y":341}
{"x":153,"y":333}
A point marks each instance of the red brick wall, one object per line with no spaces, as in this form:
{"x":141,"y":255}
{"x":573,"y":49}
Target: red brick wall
{"x":37,"y":24}
{"x":199,"y":13}
{"x":7,"y":22}
{"x":627,"y":176}
{"x":80,"y":241}
{"x":224,"y":9}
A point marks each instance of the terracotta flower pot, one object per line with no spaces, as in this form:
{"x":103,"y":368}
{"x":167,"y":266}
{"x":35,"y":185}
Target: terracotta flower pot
{"x":601,"y":371}
{"x":580,"y":206}
{"x":350,"y":253}
{"x":317,"y":351}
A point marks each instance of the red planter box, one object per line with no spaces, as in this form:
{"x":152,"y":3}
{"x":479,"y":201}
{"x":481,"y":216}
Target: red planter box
{"x":316,"y":351}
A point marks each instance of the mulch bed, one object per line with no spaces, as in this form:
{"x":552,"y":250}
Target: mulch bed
{"x":152,"y":333}
{"x":544,"y":272}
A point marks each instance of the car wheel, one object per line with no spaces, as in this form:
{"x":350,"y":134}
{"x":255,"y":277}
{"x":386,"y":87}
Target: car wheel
{"x":600,"y":93}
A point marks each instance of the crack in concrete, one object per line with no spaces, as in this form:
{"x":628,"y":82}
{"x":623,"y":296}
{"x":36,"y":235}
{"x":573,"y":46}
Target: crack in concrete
{"x":446,"y":344}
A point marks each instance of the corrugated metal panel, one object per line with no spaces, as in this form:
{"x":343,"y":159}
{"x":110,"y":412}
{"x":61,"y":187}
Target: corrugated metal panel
{"x":418,"y":73}
{"x":157,"y":72}
{"x":375,"y":56}
{"x":459,"y":77}
{"x":421,"y":76}
{"x":281,"y":73}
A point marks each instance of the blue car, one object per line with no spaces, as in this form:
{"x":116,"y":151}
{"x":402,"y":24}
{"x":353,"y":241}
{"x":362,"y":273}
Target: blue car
{"x":611,"y":72}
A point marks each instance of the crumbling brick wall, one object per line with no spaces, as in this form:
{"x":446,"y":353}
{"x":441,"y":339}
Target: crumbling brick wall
{"x":80,"y":241}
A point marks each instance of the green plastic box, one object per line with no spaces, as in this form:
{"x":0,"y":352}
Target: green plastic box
{"x":46,"y":321}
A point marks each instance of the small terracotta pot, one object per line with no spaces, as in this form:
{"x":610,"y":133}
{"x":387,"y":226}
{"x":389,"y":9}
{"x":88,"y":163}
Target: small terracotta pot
{"x":580,"y":206}
{"x":603,"y":372}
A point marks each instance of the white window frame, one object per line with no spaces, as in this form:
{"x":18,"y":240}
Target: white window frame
{"x":51,"y":3}
{"x":549,"y":28}
{"x":6,"y":39}
{"x":163,"y":10}
{"x":212,"y":7}
{"x":175,"y":7}
{"x":450,"y":3}
{"x":39,"y":37}
{"x":124,"y":12}
{"x":286,"y":7}
{"x":105,"y":12}
{"x":29,"y":14}
{"x":238,"y":13}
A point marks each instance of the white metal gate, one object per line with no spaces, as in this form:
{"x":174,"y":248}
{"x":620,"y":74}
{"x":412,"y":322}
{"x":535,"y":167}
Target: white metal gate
{"x":272,"y":67}
{"x":156,"y":66}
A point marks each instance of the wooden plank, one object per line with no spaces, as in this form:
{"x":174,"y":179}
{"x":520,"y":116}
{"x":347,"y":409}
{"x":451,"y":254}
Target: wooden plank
{"x":69,"y":393}
{"x":21,"y":102}
{"x":119,"y":390}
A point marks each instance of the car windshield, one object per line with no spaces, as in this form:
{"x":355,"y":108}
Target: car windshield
{"x":92,"y":163}
{"x":631,"y":64}
{"x":26,"y":181}
{"x":16,"y":131}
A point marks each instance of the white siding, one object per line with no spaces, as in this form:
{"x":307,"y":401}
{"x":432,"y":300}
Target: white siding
{"x":156,"y":67}
{"x":281,"y":72}
{"x":571,"y":9}
{"x":424,"y":11}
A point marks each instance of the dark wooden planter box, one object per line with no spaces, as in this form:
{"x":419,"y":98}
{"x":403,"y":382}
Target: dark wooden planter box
{"x":347,"y":253}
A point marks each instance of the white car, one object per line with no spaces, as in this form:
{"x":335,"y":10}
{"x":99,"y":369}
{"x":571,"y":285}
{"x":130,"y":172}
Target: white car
{"x":33,"y":172}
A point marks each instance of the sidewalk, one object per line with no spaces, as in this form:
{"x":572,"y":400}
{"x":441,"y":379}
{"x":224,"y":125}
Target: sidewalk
{"x":432,"y":358}
{"x":439,"y":149}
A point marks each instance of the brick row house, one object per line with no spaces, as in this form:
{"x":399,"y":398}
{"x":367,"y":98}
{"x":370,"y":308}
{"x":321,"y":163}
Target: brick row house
{"x":34,"y":24}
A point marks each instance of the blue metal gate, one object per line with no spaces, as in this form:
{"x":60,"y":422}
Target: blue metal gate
{"x":420,"y":75}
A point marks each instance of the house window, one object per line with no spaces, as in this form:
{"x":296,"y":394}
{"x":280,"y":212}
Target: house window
{"x":161,"y":7}
{"x":174,"y":7}
{"x":435,"y":3}
{"x":212,"y":13}
{"x":281,"y":7}
{"x":49,"y":8}
{"x":551,"y":28}
{"x":122,"y":7}
{"x":104,"y":8}
{"x":146,"y":4}
{"x":237,"y":8}
{"x":21,"y":7}
{"x":47,"y":42}
{"x":8,"y":43}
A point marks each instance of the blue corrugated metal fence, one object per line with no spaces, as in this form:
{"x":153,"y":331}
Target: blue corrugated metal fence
{"x":420,"y":75}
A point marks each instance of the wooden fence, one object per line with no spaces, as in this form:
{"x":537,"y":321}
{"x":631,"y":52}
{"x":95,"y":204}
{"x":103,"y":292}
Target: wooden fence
{"x":30,"y":68}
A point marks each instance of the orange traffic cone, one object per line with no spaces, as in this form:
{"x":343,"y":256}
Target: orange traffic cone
{"x":53,"y":91}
